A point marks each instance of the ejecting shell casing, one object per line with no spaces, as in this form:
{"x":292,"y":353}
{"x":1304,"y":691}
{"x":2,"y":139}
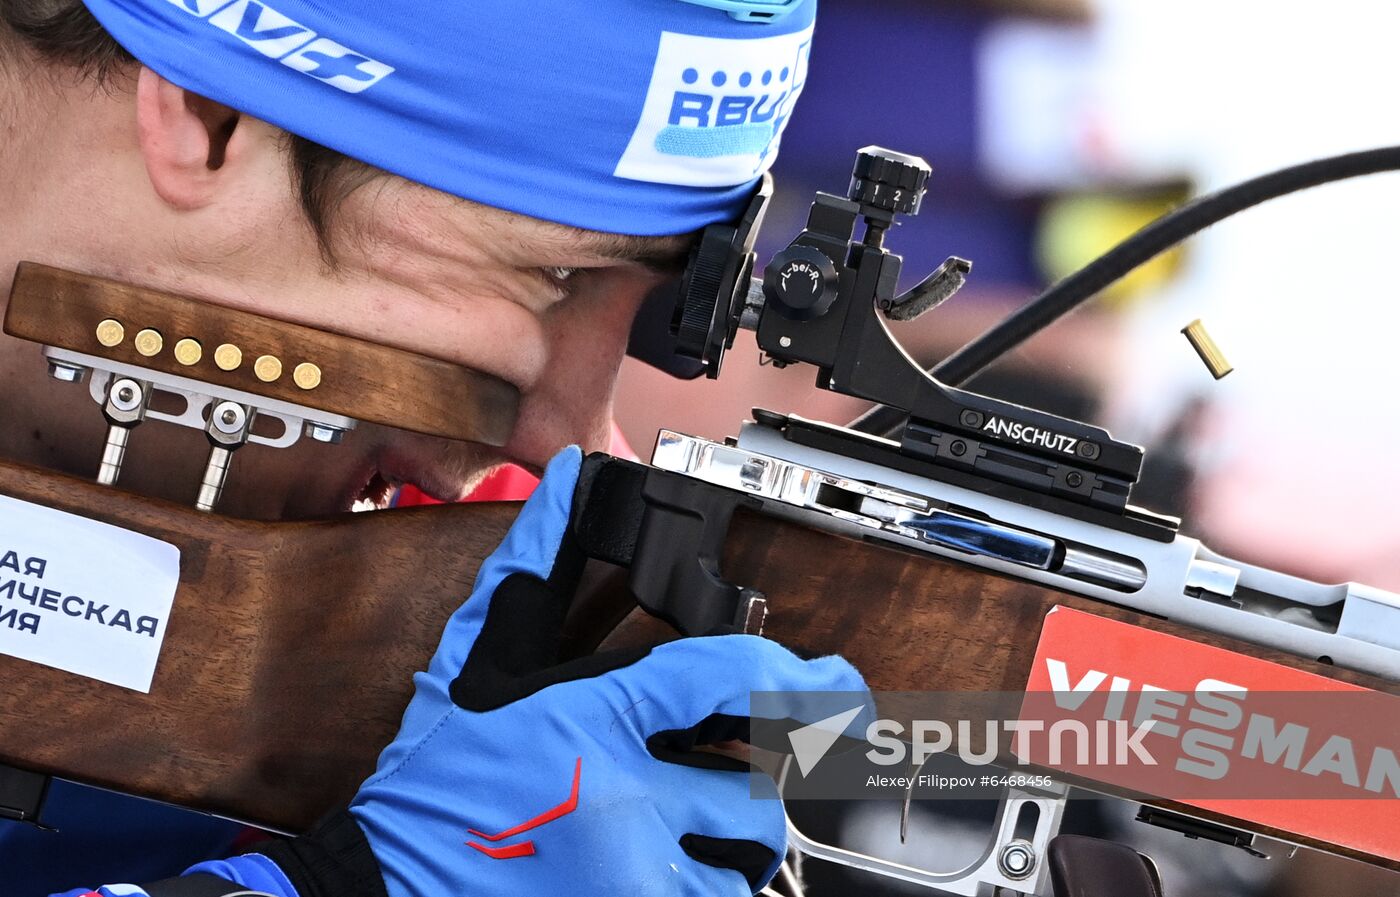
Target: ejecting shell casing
{"x":1206,"y":348}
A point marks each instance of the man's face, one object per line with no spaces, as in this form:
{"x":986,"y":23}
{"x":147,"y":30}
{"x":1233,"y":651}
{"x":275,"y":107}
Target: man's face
{"x":544,"y":307}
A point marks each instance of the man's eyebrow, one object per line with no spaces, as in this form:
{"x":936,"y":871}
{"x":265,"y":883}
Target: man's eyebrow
{"x":662,"y":254}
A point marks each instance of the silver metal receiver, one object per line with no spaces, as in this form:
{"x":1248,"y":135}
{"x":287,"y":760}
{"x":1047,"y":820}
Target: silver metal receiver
{"x":1351,"y":624}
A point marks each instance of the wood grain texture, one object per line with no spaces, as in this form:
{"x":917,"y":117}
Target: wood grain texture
{"x":914,"y":621}
{"x":921,"y":623}
{"x":287,"y":662}
{"x":359,"y":379}
{"x":290,"y":647}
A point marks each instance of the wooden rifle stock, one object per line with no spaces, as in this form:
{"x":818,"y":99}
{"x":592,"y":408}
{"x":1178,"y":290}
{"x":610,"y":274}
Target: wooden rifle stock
{"x":287,"y":661}
{"x":290,"y":648}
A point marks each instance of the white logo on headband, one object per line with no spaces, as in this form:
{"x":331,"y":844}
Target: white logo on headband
{"x":279,"y":37}
{"x":715,"y":109}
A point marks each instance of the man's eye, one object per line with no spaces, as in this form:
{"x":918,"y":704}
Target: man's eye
{"x":560,"y":275}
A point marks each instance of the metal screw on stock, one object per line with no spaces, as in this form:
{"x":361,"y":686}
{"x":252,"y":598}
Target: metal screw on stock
{"x":124,"y":409}
{"x":229,"y":426}
{"x":1017,"y":860}
{"x":67,"y":373}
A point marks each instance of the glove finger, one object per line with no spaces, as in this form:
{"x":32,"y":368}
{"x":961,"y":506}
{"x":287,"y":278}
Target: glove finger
{"x":529,"y":552}
{"x":728,"y":820}
{"x":728,"y":865}
{"x":682,"y":683}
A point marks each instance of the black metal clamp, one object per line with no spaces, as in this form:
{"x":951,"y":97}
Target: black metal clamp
{"x":669,"y":530}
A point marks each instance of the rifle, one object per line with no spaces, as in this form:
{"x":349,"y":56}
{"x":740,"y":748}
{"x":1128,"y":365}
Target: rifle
{"x":999,"y":518}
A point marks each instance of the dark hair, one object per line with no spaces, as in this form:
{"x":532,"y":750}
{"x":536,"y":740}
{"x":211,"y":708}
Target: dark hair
{"x":64,"y":31}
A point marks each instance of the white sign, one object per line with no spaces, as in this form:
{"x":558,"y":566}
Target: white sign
{"x":83,"y":596}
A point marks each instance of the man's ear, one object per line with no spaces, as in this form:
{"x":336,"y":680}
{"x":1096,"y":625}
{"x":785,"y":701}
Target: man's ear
{"x":185,"y":139}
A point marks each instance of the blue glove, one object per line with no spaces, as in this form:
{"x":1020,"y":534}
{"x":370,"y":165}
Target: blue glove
{"x":515,"y":775}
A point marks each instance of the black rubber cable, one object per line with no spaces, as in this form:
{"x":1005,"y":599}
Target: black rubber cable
{"x":1144,"y":245}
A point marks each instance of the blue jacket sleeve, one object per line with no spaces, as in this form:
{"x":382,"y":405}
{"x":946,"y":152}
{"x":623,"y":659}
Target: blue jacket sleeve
{"x":251,"y":872}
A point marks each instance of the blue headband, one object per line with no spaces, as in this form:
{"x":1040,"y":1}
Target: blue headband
{"x":643,"y":117}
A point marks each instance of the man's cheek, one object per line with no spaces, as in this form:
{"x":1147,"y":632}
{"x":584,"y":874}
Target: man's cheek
{"x":555,"y":417}
{"x":571,"y":404}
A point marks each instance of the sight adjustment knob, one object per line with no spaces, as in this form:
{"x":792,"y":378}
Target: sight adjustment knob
{"x":800,"y":282}
{"x":889,"y":180}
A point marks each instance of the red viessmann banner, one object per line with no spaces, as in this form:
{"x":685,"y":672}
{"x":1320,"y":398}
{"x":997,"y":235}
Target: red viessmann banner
{"x":1214,"y":729}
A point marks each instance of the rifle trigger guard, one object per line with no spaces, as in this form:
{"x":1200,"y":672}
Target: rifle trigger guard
{"x":670,"y":530}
